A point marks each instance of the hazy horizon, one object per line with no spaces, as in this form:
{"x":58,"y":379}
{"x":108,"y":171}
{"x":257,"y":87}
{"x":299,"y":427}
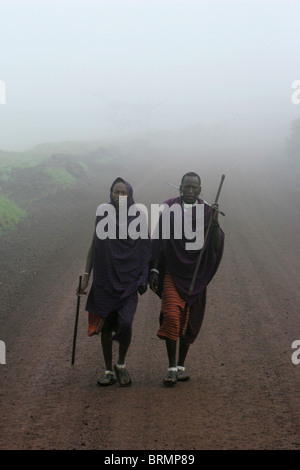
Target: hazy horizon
{"x":117,"y":69}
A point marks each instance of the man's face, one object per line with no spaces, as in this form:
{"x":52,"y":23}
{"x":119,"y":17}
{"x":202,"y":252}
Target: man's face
{"x":119,"y":189}
{"x":190,"y":189}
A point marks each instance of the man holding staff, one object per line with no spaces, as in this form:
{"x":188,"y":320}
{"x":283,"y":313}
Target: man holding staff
{"x":120,"y":267}
{"x":180,"y":277}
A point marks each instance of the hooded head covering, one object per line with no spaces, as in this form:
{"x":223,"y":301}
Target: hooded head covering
{"x":120,"y":266}
{"x":130,"y":200}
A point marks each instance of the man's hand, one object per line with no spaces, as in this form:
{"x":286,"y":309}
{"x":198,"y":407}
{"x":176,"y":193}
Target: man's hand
{"x":215,"y":209}
{"x":84,"y":285}
{"x":142,"y":289}
{"x":154,"y":281}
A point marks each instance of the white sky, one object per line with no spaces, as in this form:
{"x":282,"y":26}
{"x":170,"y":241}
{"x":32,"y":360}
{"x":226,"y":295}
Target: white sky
{"x":91,"y":69}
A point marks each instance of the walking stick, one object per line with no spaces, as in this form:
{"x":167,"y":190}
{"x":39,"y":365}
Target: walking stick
{"x":205,"y":239}
{"x":76,"y":321}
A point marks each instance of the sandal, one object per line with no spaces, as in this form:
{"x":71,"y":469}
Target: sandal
{"x":171,"y":378}
{"x":181,"y":375}
{"x":122,"y":375}
{"x":108,"y":378}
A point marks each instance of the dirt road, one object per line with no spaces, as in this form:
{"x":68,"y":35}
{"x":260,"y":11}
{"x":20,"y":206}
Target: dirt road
{"x":244,"y":391}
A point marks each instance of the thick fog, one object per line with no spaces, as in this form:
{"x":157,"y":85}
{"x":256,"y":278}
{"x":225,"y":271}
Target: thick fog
{"x":220,"y":72}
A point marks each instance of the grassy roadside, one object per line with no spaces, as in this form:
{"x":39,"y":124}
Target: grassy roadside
{"x":61,"y":176}
{"x":27,"y":177}
{"x":33,"y":157}
{"x":10,"y":214}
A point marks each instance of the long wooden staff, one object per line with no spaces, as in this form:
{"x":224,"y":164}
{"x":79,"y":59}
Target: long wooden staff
{"x":205,"y":239}
{"x":76,"y":321}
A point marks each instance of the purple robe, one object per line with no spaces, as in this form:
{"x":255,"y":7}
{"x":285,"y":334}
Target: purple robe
{"x":181,"y":262}
{"x":120,"y":266}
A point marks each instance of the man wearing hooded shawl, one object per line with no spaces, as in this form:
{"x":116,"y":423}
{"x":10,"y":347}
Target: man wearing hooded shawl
{"x":172,"y":270}
{"x":120,"y":267}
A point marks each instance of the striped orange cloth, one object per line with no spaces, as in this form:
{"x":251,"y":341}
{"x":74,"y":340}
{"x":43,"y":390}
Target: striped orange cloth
{"x":175,"y":311}
{"x":95,"y":324}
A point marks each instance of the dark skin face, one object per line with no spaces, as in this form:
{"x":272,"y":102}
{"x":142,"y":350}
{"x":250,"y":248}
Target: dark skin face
{"x":119,"y":189}
{"x":190,"y":189}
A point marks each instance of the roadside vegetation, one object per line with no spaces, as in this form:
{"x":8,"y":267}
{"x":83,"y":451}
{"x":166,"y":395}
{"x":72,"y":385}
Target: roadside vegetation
{"x":27,"y":177}
{"x":10,"y":214}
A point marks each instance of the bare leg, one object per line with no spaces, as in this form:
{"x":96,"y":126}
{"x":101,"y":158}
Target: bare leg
{"x":183,"y":350}
{"x":171,"y":377}
{"x":106,"y":341}
{"x":182,"y":376}
{"x":122,"y":354}
{"x":123,"y":377}
{"x":171,"y":350}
